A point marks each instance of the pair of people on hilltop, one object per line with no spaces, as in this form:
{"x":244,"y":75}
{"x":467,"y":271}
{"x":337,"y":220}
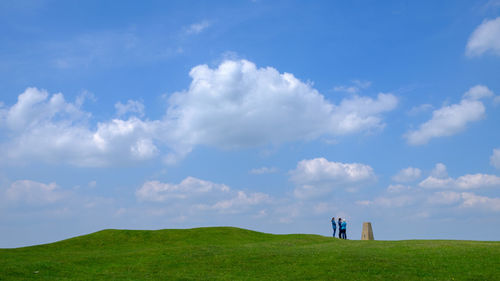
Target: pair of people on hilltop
{"x":342,"y":227}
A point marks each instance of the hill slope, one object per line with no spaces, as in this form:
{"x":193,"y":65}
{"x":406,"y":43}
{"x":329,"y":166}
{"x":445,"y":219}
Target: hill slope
{"x":225,"y":253}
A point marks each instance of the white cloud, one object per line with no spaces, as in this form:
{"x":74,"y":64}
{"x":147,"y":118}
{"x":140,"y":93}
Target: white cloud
{"x":439,"y":179}
{"x":478,"y":92}
{"x":465,"y":200}
{"x":485,"y":39}
{"x":444,"y":198}
{"x":439,"y":171}
{"x":472,"y":200}
{"x":470,"y":181}
{"x":196,"y":28}
{"x":53,"y":130}
{"x":83,"y":96}
{"x":358,"y":113}
{"x":239,"y":105}
{"x":449,"y":120}
{"x":432,"y":182}
{"x":234,"y":105}
{"x":319,"y":176}
{"x":477,"y":181}
{"x":131,"y":106}
{"x":407,"y":175}
{"x":495,"y":158}
{"x":133,"y":137}
{"x":143,"y":149}
{"x":33,"y":192}
{"x":33,"y":109}
{"x":159,"y":192}
{"x":201,"y":195}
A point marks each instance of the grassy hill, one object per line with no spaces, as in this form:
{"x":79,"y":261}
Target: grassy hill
{"x":225,"y":253}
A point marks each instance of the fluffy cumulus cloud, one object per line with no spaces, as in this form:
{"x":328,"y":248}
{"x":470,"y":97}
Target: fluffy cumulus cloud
{"x":407,"y":175}
{"x":34,"y":108}
{"x":193,"y":193}
{"x":485,"y":39}
{"x":439,"y":179}
{"x":233,"y":105}
{"x":32,"y":192}
{"x":238,"y":105}
{"x":452,"y":119}
{"x":40,"y":126}
{"x":495,"y":158}
{"x":318,"y":176}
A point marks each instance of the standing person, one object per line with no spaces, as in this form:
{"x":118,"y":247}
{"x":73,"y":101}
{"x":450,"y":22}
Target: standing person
{"x":343,"y":229}
{"x":340,"y":224}
{"x":334,"y":226}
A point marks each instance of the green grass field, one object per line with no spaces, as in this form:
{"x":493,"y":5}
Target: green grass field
{"x":225,"y":253}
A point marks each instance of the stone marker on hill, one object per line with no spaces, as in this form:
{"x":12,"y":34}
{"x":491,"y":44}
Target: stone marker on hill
{"x":367,"y":233}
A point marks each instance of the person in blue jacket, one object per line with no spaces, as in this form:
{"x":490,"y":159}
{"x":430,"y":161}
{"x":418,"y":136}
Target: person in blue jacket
{"x":334,"y":226}
{"x":343,"y":228}
{"x":340,"y":224}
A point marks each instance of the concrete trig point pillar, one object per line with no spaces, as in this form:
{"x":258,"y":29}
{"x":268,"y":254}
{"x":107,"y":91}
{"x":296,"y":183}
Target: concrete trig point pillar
{"x":367,"y":233}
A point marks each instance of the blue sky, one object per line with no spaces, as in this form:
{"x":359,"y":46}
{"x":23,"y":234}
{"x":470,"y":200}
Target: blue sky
{"x":268,"y":115}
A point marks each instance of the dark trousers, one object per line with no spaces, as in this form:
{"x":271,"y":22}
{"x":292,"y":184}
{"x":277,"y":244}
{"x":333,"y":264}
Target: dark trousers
{"x":340,"y":233}
{"x":343,"y":234}
{"x":334,"y":230}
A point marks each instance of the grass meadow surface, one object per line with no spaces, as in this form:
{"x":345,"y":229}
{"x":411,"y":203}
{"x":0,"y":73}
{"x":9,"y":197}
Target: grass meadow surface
{"x":226,"y":253}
